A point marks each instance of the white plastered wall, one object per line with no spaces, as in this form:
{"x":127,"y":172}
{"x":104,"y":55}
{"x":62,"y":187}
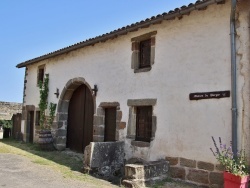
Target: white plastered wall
{"x":191,"y":55}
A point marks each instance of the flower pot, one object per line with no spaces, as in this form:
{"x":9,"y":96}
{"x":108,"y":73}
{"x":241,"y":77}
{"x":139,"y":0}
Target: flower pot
{"x":233,"y":181}
{"x":45,"y":140}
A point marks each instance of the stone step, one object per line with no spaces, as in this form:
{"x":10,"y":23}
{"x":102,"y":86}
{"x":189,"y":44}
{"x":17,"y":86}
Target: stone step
{"x":139,"y":175}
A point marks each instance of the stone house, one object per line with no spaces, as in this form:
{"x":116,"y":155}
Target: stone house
{"x":164,"y":86}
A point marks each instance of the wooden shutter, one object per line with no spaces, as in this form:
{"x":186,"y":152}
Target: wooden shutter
{"x":144,"y":123}
{"x":145,"y":51}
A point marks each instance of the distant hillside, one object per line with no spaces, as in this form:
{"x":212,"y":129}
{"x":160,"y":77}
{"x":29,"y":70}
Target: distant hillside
{"x":7,"y":109}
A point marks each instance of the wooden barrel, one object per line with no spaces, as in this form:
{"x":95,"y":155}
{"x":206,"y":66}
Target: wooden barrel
{"x":45,"y":140}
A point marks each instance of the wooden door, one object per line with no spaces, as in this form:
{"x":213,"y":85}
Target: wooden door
{"x":80,"y":119}
{"x":110,"y":124}
{"x":30,"y":127}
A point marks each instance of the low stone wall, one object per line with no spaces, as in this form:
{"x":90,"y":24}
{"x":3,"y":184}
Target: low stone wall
{"x":196,"y":172}
{"x":140,"y":173}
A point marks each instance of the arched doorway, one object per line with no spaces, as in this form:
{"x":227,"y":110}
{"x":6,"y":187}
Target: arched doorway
{"x":80,"y":119}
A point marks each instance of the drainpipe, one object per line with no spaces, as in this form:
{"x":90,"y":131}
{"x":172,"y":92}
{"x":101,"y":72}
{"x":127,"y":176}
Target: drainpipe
{"x":233,"y":77}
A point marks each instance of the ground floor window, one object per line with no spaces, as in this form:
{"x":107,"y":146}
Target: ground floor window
{"x":143,"y":123}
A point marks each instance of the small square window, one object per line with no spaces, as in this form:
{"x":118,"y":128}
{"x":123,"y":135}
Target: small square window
{"x":40,"y":74}
{"x":143,"y":52}
{"x":143,"y":123}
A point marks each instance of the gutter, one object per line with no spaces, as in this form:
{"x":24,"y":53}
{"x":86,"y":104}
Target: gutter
{"x":233,"y":78}
{"x":176,"y":13}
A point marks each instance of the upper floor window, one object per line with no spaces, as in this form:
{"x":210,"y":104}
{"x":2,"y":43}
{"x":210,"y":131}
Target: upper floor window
{"x":145,"y":49}
{"x":143,"y":52}
{"x":40,"y":73}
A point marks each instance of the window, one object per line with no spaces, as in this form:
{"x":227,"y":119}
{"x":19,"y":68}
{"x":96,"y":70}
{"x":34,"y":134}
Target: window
{"x":143,"y":123}
{"x":143,"y":52}
{"x":40,"y":73}
{"x":145,"y":48}
{"x":37,"y":118}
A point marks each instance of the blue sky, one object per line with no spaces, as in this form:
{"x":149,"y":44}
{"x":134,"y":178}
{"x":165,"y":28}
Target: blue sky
{"x":31,"y":28}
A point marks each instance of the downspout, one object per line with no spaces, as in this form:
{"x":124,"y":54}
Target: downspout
{"x":233,"y":77}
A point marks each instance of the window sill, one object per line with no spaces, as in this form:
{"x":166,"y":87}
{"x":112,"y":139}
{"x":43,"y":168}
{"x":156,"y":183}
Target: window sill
{"x":140,"y":144}
{"x":142,"y":70}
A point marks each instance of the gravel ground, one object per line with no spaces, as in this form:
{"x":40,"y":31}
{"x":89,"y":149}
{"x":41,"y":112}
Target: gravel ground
{"x":18,"y":171}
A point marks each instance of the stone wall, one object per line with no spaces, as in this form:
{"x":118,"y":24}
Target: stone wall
{"x":197,"y":172}
{"x":7,"y":109}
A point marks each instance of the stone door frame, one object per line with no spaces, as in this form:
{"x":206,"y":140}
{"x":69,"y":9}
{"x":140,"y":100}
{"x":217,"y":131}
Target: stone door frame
{"x":60,"y":125}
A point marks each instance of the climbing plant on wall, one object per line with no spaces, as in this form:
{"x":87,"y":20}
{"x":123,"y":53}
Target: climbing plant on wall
{"x":45,"y":122}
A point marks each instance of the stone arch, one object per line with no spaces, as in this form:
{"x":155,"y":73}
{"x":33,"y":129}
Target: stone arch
{"x":60,"y":126}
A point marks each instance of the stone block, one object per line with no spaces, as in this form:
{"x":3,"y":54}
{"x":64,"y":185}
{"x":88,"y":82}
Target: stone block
{"x":216,"y":178}
{"x":134,"y":171}
{"x":172,"y":160}
{"x":100,"y":112}
{"x":146,"y":171}
{"x":177,"y":172}
{"x":104,"y":157}
{"x":61,"y":133}
{"x":140,"y":144}
{"x":156,"y":169}
{"x":187,"y":163}
{"x":198,"y":176}
{"x":122,"y":125}
{"x":109,"y":104}
{"x":60,"y":140}
{"x":141,"y":102}
{"x":60,"y":147}
{"x":98,"y":138}
{"x":98,"y":120}
{"x":58,"y":124}
{"x":62,"y":116}
{"x":118,"y":115}
{"x":98,"y":130}
{"x":205,"y":166}
{"x":68,"y":94}
{"x":117,"y":135}
{"x":64,"y":105}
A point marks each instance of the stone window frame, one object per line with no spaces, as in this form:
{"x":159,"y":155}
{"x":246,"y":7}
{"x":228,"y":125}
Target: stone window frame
{"x":135,"y":60}
{"x":39,"y":68}
{"x":131,"y":130}
{"x":99,"y":121}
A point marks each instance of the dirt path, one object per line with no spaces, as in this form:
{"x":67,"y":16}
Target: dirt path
{"x":19,"y":171}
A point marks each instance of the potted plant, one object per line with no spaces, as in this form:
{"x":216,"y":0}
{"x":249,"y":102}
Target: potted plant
{"x":45,"y":139}
{"x":236,"y":174}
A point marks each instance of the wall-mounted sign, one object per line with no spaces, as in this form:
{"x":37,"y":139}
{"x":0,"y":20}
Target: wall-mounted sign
{"x":209,"y":95}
